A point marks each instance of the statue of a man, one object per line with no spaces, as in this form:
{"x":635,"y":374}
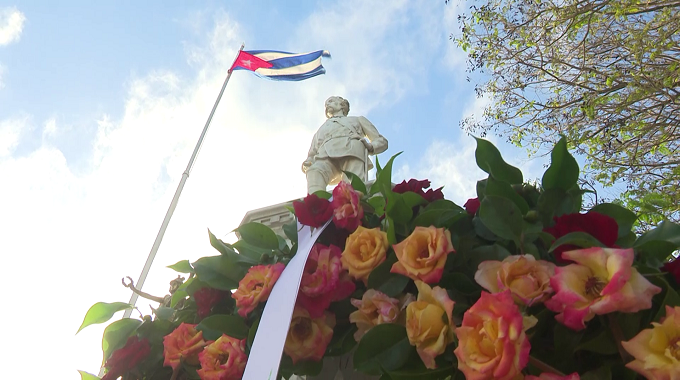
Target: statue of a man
{"x":342,"y":143}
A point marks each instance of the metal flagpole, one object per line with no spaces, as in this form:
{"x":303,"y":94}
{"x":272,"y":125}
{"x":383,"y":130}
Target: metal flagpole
{"x":175,"y":199}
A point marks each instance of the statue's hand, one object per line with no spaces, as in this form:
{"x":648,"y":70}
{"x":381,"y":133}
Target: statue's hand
{"x":306,"y":164}
{"x":368,"y":145}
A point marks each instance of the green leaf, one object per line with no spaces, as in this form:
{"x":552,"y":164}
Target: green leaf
{"x":356,"y":182}
{"x":164,"y":312}
{"x":581,"y":239}
{"x":258,"y":235}
{"x":251,"y":333}
{"x":503,"y":189}
{"x":671,"y":298}
{"x":602,"y":373}
{"x":383,"y":178}
{"x":290,"y":230}
{"x":602,"y":344}
{"x":252,"y":251}
{"x":102,"y":312}
{"x":215,"y":325}
{"x":459,"y":282}
{"x":219,"y":272}
{"x":385,"y":347}
{"x":182,"y":267}
{"x":502,"y":217}
{"x":660,"y":242}
{"x":624,"y":217}
{"x":487,"y":252}
{"x":397,"y":209}
{"x":389,"y":283}
{"x":437,"y":217}
{"x":489,"y":159}
{"x":116,"y":335}
{"x":87,"y":376}
{"x":563,"y":171}
{"x":342,"y":341}
{"x":554,"y":202}
{"x":417,"y":374}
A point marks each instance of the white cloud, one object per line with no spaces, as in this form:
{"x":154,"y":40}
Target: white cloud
{"x":77,"y":234}
{"x":11,"y":25}
{"x":10,"y":131}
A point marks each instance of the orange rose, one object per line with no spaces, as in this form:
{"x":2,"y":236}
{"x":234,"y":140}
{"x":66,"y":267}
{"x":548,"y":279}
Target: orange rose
{"x":365,"y":249}
{"x":492,"y":343}
{"x":657,"y":350}
{"x":375,"y":308}
{"x":422,"y":255}
{"x":429,"y":322}
{"x":255,"y":287}
{"x":527,"y":279}
{"x":183,"y":344}
{"x":308,"y":337}
{"x":225,"y":359}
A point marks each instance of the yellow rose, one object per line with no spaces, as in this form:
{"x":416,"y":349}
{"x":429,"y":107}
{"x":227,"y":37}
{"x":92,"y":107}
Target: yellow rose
{"x":657,"y":350}
{"x":429,"y":323}
{"x":527,"y":279}
{"x":422,"y":255}
{"x":365,"y":249}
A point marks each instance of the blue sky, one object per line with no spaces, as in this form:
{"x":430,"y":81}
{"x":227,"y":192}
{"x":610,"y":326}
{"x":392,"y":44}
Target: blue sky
{"x":101,"y":105}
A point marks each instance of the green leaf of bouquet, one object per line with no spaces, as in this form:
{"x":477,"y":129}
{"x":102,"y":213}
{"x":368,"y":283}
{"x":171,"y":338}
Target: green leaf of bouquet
{"x":503,"y":189}
{"x":482,"y":253}
{"x":579,"y":238}
{"x":459,"y":282}
{"x":412,"y":199}
{"x":602,"y":344}
{"x":356,"y":182}
{"x":102,"y":312}
{"x":383,"y":179}
{"x":670,"y":297}
{"x":502,"y":217}
{"x":378,"y":204}
{"x":660,"y":242}
{"x":489,"y":159}
{"x":290,"y":230}
{"x":87,"y":376}
{"x":563,"y":171}
{"x":251,"y":251}
{"x":624,"y":217}
{"x":116,"y":334}
{"x":443,"y":204}
{"x":215,"y":325}
{"x":251,"y":334}
{"x":258,"y":235}
{"x":227,"y":250}
{"x":385,"y":347}
{"x":481,"y":188}
{"x":397,"y":209}
{"x":342,"y":341}
{"x":602,"y":373}
{"x":219,"y":272}
{"x":438,"y":218}
{"x":554,"y":202}
{"x":383,"y":280}
{"x":182,"y":267}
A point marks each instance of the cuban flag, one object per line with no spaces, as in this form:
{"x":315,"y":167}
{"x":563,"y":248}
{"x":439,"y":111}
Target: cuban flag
{"x":279,"y":65}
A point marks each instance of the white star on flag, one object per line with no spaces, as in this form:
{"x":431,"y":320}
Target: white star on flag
{"x":247,"y":63}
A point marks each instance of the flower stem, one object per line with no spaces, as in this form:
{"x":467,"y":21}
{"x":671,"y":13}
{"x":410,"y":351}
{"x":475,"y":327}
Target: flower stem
{"x":618,"y":337}
{"x":544,"y":367}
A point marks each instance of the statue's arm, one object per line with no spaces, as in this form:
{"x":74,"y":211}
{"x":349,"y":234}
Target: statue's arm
{"x":310,"y":155}
{"x":378,"y":141}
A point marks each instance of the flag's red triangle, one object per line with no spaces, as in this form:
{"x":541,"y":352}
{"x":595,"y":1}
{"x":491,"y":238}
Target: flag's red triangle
{"x":250,"y":62}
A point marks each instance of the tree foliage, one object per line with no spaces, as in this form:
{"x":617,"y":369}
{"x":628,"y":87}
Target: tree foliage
{"x":603,"y":73}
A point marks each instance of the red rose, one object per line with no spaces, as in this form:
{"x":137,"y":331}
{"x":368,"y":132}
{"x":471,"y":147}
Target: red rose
{"x":472,"y":205}
{"x":418,"y":187}
{"x":673,"y":268}
{"x":124,"y":359}
{"x":600,"y":226}
{"x":206,"y":298}
{"x":313,"y":211}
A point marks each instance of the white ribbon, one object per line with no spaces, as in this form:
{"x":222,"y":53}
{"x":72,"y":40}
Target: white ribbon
{"x":265,"y":355}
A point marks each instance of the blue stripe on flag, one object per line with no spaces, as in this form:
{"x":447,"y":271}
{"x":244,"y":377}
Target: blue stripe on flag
{"x":289,"y":66}
{"x":296,"y":77}
{"x":284,"y":62}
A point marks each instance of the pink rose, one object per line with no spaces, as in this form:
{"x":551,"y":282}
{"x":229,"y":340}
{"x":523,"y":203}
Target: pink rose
{"x":225,"y":359}
{"x":375,"y":308}
{"x":308,"y":337}
{"x":527,"y":279}
{"x":323,"y":281}
{"x":602,"y":281}
{"x":346,"y":204}
{"x":492,"y":343}
{"x":422,"y":254}
{"x":255,"y":287}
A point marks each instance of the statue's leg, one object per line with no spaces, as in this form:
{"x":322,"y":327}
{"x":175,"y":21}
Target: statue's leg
{"x":318,"y":175}
{"x":356,"y":166}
